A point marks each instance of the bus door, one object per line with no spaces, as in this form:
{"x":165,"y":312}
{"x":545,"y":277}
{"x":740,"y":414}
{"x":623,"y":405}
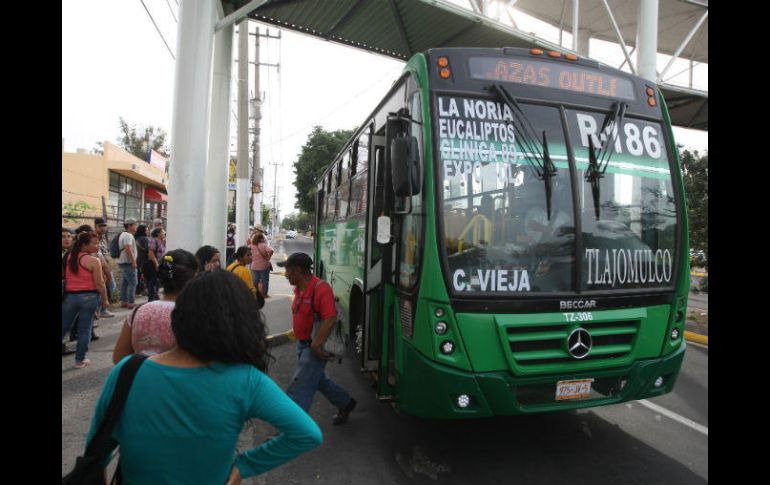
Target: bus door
{"x":379,"y":278}
{"x":373,"y":304}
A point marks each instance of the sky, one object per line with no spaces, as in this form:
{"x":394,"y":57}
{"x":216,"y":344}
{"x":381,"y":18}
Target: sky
{"x":116,"y":64}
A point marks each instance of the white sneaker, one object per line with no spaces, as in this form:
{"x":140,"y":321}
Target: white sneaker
{"x":106,"y":314}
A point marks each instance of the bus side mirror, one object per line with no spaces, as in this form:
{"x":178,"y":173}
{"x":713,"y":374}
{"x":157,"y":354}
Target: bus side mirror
{"x":405,"y":166}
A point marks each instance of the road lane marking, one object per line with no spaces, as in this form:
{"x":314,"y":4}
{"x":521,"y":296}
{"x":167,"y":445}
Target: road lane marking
{"x":672,"y":415}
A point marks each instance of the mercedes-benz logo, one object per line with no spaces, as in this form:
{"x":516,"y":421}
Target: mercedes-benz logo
{"x":579,"y":343}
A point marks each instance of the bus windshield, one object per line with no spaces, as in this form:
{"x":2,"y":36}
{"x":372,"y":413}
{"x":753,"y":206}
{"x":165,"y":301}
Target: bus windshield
{"x":510,"y":228}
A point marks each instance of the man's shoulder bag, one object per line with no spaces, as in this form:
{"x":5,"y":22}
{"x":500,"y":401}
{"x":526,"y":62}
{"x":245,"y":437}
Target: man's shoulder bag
{"x":88,"y":468}
{"x":335,"y":343}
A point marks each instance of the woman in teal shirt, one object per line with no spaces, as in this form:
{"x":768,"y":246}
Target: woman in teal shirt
{"x":187,"y":406}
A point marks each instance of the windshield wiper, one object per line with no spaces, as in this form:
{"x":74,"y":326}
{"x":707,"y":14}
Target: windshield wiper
{"x":598,"y":163}
{"x":549,"y":170}
{"x":544,"y":167}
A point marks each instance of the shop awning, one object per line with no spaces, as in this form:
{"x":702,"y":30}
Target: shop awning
{"x":154,"y":194}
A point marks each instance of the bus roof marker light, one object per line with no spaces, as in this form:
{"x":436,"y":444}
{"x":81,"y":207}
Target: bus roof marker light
{"x":554,"y":54}
{"x":536,"y":52}
{"x":571,"y":57}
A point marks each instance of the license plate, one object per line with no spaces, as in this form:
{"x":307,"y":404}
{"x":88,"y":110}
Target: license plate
{"x":577,"y":389}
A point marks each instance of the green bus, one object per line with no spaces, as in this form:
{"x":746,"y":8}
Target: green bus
{"x":506,"y":234}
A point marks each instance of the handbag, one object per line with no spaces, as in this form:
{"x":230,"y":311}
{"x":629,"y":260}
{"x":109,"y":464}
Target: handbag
{"x":335,"y":343}
{"x":89,"y":469}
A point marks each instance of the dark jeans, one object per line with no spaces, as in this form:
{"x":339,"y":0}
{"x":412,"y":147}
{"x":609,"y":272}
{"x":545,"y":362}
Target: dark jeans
{"x":79,"y":307}
{"x":151,"y":279}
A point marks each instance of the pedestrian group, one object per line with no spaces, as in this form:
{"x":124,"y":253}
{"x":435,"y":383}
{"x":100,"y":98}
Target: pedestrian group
{"x":194,"y":358}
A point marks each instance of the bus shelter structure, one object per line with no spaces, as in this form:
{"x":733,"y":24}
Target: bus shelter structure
{"x":394,"y":28}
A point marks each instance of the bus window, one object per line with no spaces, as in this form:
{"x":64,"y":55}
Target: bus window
{"x":362,"y":157}
{"x":631,"y":242}
{"x":495,"y":203}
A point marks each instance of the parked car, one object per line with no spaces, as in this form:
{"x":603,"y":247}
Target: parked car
{"x":291,"y":234}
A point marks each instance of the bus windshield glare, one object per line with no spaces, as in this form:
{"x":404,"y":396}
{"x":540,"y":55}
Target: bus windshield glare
{"x":499,"y":236}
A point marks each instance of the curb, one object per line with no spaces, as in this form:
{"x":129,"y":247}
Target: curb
{"x":696,"y":337}
{"x":280,"y":338}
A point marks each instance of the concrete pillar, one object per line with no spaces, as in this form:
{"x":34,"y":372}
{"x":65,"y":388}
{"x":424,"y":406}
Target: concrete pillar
{"x":584,"y":39}
{"x":647,"y":40}
{"x":190,"y":124}
{"x":215,"y":212}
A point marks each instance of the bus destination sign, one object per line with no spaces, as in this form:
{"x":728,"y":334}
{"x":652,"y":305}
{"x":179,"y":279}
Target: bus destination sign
{"x":551,"y":75}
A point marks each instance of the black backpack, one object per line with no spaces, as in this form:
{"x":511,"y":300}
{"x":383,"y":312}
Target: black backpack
{"x":115,"y":247}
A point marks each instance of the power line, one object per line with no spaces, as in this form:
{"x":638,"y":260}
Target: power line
{"x":172,"y":11}
{"x":159,"y":32}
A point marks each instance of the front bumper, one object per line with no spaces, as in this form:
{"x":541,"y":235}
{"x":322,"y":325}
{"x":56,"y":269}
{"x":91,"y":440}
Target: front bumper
{"x":430,"y":390}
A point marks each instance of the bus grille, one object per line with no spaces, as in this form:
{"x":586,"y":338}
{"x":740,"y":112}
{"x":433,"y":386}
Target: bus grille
{"x":546,"y":344}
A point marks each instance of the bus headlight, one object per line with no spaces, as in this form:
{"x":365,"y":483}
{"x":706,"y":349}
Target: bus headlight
{"x":659,"y":381}
{"x":463,"y":401}
{"x":447,"y":347}
{"x":439,"y":312}
{"x":675,"y":334}
{"x":441,"y":328}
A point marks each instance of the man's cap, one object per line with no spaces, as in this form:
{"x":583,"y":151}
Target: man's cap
{"x":130,"y":221}
{"x":300,"y":260}
{"x":99,"y":221}
{"x":157,"y":221}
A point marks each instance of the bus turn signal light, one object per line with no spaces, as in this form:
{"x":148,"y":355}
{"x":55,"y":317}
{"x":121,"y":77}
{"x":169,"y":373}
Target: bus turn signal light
{"x":443,"y":62}
{"x":444,"y":73}
{"x":651,"y":102}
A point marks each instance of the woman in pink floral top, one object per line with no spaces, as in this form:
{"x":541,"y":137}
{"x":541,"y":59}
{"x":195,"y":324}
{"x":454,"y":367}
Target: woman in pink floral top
{"x":147,"y":330}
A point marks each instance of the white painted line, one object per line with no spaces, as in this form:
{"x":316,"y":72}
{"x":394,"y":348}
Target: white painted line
{"x":670,"y":414}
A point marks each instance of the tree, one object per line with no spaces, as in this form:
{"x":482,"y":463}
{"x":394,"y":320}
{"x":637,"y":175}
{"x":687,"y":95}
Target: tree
{"x":695,"y":170}
{"x":316,"y":155}
{"x":305,"y":221}
{"x":138,"y":141}
{"x":265,"y":215}
{"x":289,"y":222}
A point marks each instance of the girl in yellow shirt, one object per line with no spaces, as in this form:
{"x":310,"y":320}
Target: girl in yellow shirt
{"x":240,"y":268}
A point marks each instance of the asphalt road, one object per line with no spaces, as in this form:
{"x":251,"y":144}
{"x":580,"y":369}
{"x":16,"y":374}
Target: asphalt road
{"x":664,"y":440}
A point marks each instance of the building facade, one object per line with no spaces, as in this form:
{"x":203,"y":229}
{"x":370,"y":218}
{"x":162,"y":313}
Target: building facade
{"x":116,"y":185}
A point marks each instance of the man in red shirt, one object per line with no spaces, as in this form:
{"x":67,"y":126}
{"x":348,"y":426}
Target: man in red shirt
{"x":313,"y":299}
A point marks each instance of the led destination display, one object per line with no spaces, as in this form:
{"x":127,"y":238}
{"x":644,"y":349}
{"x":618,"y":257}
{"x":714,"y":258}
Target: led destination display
{"x":551,"y":75}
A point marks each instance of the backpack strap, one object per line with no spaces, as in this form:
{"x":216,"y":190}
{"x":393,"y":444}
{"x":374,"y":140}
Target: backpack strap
{"x":312,"y":296}
{"x":100,"y":444}
{"x":133,"y":314}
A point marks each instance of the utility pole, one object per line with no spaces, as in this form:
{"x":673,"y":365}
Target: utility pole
{"x":256,"y":175}
{"x":242,"y":170}
{"x":275,"y":199}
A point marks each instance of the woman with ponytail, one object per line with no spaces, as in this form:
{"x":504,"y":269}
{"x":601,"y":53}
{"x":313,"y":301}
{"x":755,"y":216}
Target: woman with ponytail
{"x":147,"y":330}
{"x":84,"y":292}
